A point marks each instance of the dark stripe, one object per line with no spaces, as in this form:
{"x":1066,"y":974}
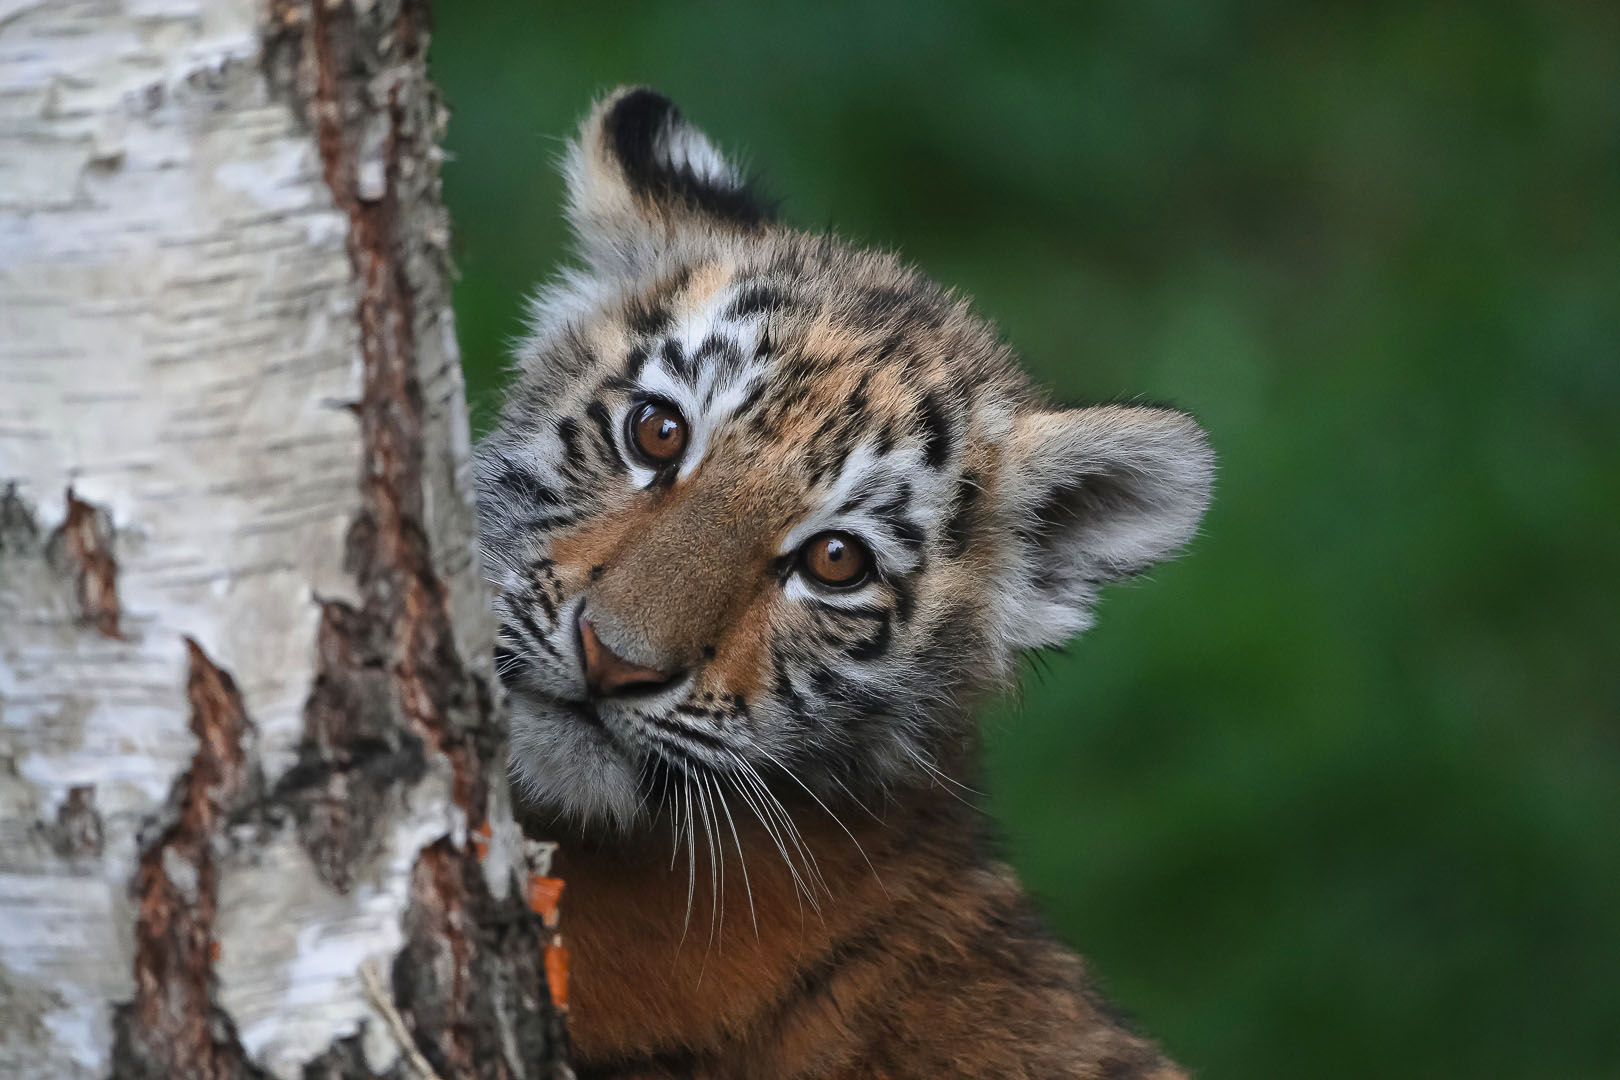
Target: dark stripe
{"x":885,"y":440}
{"x":719,"y":354}
{"x":568,"y":432}
{"x":854,"y":407}
{"x":959,"y":530}
{"x":905,"y":602}
{"x":882,"y":302}
{"x":547,"y":522}
{"x":509,"y":664}
{"x":646,"y":318}
{"x":537,"y":636}
{"x":855,"y":501}
{"x":682,"y":731}
{"x":635,"y":362}
{"x":875,"y":945}
{"x":547,"y":605}
{"x":631,"y":130}
{"x":895,"y":505}
{"x":911,"y":304}
{"x":755,"y":392}
{"x":865,"y":614}
{"x":522,"y":485}
{"x":907,"y":532}
{"x":874,"y":646}
{"x":604,"y":426}
{"x":786,"y":691}
{"x":675,"y":358}
{"x":892,"y":513}
{"x":673,"y":1064}
{"x":758,"y":300}
{"x":891,"y":345}
{"x":936,"y":431}
{"x":835,"y":468}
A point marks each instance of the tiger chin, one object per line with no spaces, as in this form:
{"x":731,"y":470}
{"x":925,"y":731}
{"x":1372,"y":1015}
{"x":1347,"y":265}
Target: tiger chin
{"x":768,"y":516}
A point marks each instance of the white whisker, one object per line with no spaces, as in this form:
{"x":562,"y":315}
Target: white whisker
{"x":836,"y":820}
{"x":742,"y":859}
{"x":716,"y":880}
{"x":790,"y":828}
{"x":750,"y":796}
{"x":691,"y":855}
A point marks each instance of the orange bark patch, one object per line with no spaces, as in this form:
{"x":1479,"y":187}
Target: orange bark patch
{"x":557,"y":973}
{"x":544,"y":895}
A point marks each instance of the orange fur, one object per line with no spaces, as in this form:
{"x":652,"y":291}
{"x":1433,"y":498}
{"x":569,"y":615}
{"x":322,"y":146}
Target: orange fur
{"x":923,"y":964}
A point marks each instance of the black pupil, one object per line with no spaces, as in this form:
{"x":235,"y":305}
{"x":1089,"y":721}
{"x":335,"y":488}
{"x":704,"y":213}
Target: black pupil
{"x":834,"y":550}
{"x":667,"y":429}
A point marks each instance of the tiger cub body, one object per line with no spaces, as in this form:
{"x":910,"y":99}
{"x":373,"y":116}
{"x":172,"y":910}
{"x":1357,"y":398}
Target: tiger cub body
{"x":768,"y":516}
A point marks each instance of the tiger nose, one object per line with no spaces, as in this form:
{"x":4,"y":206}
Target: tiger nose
{"x":606,"y":672}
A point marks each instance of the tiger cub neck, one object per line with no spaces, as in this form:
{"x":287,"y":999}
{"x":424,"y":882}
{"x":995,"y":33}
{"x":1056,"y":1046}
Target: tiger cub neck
{"x":672,"y":950}
{"x":920,"y":957}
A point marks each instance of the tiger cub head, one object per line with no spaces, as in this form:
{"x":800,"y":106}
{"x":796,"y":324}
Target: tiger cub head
{"x":769,"y":509}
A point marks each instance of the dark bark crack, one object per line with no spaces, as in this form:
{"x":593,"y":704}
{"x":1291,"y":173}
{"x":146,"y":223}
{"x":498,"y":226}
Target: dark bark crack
{"x":77,"y":830}
{"x":473,"y":971}
{"x":82,"y":547}
{"x":173,"y":1028}
{"x":19,"y":531}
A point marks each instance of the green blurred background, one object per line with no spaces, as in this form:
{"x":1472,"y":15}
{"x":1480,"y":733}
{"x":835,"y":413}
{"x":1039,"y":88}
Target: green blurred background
{"x":1338,"y":794}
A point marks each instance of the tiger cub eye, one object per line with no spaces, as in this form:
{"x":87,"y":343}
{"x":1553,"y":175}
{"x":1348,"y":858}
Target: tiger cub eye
{"x":657,"y":432}
{"x":836,"y":559}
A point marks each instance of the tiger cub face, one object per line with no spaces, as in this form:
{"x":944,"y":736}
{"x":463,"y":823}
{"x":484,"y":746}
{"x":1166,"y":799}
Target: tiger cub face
{"x":765,"y":508}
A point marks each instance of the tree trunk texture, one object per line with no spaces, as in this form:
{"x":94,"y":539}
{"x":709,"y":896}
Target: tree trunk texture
{"x":253,"y":811}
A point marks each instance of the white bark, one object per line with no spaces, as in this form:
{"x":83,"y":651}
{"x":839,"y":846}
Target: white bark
{"x":183,"y":354}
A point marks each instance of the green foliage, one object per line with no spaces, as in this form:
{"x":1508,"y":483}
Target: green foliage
{"x":1338,"y":794}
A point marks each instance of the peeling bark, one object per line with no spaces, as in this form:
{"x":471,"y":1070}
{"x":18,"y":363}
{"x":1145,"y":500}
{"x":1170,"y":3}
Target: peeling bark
{"x":253,"y":810}
{"x":469,"y":959}
{"x":173,"y":1028}
{"x":83,"y":545}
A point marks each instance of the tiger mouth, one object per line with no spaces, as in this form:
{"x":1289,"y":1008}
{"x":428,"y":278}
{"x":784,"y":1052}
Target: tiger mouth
{"x":518,"y":679}
{"x":582,"y":711}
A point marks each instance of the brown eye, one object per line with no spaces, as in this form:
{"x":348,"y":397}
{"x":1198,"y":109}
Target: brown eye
{"x":657,"y":432}
{"x":836,"y":559}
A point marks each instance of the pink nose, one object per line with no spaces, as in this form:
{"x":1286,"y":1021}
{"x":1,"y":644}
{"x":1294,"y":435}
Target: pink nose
{"x":606,"y":672}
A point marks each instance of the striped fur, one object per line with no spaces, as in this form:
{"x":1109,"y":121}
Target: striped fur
{"x":812,"y":739}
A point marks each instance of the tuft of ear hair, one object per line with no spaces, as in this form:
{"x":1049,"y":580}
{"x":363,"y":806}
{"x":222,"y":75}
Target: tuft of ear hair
{"x":638,"y":173}
{"x":1098,"y":494}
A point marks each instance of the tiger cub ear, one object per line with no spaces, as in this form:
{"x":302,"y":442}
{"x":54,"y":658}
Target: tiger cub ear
{"x":638,"y":173}
{"x":1096,"y":494}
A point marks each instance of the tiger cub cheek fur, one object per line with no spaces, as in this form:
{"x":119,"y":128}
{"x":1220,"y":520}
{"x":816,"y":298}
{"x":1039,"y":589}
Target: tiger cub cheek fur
{"x":823,"y":389}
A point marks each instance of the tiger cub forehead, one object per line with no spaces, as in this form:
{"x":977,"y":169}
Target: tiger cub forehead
{"x":791,"y":343}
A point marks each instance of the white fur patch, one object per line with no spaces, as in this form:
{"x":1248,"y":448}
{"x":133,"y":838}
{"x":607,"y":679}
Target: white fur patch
{"x":681,"y":146}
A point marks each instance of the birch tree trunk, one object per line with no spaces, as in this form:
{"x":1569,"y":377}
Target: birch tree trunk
{"x":250,"y":746}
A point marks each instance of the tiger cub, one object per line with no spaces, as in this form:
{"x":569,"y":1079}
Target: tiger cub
{"x":767,"y":516}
